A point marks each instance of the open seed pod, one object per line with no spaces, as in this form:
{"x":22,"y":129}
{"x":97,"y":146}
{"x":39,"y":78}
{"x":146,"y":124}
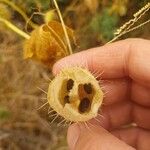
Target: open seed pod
{"x":47,"y":43}
{"x":75,"y":94}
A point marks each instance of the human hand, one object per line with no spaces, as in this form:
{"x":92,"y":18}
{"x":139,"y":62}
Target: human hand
{"x":126,"y":81}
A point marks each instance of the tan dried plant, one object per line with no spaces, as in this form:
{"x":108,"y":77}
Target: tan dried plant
{"x":129,"y":26}
{"x":47,"y":43}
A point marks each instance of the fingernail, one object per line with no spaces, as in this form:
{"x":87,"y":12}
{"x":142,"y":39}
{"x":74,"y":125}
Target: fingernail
{"x":73,"y":135}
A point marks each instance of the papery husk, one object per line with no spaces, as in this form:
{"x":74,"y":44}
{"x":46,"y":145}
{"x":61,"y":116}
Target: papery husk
{"x":47,"y":43}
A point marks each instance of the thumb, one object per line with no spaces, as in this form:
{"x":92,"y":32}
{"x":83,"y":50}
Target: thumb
{"x":93,"y":138}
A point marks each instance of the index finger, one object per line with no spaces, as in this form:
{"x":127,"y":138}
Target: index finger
{"x":129,"y":57}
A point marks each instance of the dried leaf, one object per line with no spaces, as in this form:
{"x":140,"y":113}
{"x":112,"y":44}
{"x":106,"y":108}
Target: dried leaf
{"x":47,"y":43}
{"x":49,"y":16}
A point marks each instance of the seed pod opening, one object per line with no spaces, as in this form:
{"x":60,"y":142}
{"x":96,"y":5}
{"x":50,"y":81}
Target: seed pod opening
{"x":75,"y":94}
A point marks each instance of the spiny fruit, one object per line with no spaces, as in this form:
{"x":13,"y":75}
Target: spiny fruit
{"x":75,"y":94}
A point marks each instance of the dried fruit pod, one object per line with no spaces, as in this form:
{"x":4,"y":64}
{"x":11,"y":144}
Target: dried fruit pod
{"x":47,"y":43}
{"x":75,"y":94}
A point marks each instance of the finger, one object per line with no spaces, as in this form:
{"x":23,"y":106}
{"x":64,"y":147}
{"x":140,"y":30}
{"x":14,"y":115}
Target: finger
{"x":141,"y":116}
{"x":136,"y":137}
{"x":124,"y":58}
{"x":115,"y":90}
{"x":114,"y":116}
{"x":119,"y":114}
{"x":95,"y":138}
{"x":140,"y":94}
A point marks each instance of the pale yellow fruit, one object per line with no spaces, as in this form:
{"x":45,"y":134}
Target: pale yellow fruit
{"x":75,"y":94}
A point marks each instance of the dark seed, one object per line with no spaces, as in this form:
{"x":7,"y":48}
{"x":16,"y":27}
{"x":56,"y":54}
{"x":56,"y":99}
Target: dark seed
{"x":84,"y":105}
{"x":88,"y":88}
{"x":70,"y":84}
{"x":66,"y":99}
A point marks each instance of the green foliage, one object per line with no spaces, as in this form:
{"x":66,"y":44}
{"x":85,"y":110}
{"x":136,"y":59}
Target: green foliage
{"x":4,"y":113}
{"x":104,"y":24}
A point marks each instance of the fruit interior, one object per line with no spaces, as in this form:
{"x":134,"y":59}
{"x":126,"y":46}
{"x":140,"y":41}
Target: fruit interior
{"x":80,"y":97}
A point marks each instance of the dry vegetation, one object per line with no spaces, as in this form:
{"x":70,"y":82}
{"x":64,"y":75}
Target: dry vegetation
{"x":22,"y":127}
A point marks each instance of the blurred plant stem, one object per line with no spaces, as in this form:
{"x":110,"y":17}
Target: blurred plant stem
{"x":132,"y":29}
{"x":14,"y":28}
{"x":22,"y":13}
{"x":64,"y":28}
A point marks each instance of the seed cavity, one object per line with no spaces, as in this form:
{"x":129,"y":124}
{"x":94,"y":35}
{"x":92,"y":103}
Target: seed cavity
{"x":88,"y":88}
{"x":84,"y":105}
{"x":66,"y":99}
{"x":70,"y":84}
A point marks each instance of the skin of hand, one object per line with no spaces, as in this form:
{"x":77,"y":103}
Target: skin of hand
{"x":124,"y":68}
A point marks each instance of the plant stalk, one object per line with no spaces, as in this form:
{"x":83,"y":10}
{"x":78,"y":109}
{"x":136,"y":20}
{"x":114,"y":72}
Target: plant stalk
{"x":14,"y":28}
{"x":22,"y":13}
{"x":64,"y":27}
